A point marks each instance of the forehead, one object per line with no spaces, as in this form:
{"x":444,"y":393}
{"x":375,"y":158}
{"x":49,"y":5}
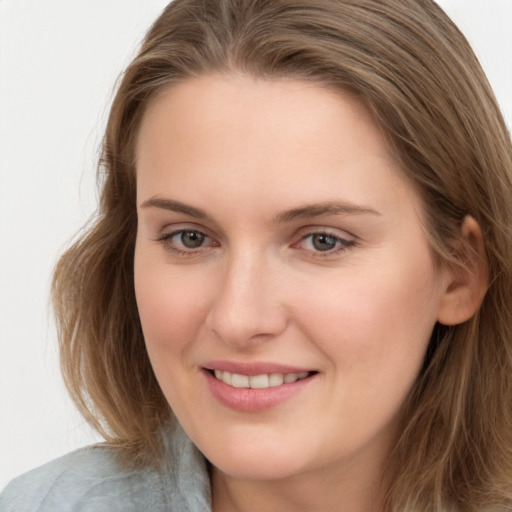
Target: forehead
{"x":214,"y":102}
{"x":267,"y":136}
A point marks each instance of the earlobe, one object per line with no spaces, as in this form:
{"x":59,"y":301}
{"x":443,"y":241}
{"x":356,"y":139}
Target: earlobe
{"x":467,"y":280}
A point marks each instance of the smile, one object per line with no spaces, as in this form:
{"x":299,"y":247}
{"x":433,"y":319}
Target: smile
{"x":258,"y":387}
{"x":262,"y":381}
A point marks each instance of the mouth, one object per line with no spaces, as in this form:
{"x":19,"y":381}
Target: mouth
{"x":257,"y":387}
{"x":262,"y":381}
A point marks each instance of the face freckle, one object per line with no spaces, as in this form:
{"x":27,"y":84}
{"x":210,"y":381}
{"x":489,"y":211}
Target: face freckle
{"x":255,"y":170}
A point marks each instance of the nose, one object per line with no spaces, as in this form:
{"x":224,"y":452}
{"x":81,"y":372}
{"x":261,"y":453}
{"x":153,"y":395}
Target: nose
{"x":247,"y":309}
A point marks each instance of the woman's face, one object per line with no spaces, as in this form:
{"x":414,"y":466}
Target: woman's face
{"x":285,"y":285}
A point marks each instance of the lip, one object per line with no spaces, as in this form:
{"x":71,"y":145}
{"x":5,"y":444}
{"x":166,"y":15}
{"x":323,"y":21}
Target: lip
{"x":253,"y":368}
{"x":250,"y":400}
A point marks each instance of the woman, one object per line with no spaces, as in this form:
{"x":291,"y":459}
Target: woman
{"x":296,"y":293}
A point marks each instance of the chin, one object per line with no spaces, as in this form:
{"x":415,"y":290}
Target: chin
{"x":257,"y":463}
{"x":257,"y":471}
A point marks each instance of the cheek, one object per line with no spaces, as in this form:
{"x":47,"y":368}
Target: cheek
{"x":374,"y":323}
{"x":171,"y":304}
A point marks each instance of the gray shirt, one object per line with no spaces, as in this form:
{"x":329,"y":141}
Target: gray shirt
{"x":92,"y":479}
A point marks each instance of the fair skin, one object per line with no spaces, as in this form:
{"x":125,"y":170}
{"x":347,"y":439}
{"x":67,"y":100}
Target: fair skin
{"x":276,"y":229}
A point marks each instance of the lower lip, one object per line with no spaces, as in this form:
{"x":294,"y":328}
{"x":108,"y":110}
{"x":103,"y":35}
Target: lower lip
{"x":253,"y":400}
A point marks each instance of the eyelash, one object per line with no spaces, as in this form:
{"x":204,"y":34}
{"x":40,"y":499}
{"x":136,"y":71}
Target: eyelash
{"x":166,"y":241}
{"x":342,"y":244}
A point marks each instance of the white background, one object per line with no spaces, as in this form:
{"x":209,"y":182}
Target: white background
{"x":59,"y":60}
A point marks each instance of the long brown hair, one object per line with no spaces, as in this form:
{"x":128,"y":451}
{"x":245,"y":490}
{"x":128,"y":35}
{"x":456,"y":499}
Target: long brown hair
{"x":426,"y":89}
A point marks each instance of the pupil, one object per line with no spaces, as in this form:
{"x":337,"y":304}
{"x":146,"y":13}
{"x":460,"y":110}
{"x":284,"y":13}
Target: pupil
{"x":323,"y":242}
{"x":192,"y":239}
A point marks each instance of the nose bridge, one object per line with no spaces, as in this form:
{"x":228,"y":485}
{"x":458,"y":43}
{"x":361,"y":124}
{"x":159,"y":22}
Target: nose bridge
{"x":247,"y":307}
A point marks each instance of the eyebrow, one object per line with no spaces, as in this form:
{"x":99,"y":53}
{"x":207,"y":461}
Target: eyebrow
{"x":303,"y":212}
{"x":320,"y":209}
{"x":174,"y":206}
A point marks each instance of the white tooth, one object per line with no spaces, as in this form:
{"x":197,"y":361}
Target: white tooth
{"x":275,"y":379}
{"x":239,"y":381}
{"x":259,"y":381}
{"x":303,"y":375}
{"x":290,"y":377}
{"x":227,"y":377}
{"x":218,"y":374}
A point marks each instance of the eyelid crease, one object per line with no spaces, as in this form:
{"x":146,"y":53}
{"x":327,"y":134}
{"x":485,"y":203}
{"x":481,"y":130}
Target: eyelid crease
{"x":335,"y":232}
{"x":331,"y":235}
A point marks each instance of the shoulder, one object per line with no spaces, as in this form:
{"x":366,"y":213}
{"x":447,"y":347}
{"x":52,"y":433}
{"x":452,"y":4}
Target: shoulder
{"x":89,"y":479}
{"x":93,"y":479}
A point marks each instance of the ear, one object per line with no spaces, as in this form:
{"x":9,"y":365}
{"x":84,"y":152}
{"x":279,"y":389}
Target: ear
{"x":465,"y":281}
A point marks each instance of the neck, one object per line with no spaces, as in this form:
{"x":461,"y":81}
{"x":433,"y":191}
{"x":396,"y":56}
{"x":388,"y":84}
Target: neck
{"x":352,"y":489}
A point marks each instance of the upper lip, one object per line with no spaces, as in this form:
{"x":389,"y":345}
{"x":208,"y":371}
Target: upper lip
{"x":253,"y":368}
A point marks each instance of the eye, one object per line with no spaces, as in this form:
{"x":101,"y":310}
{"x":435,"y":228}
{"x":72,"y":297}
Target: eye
{"x":189,"y":239}
{"x":324,"y":242}
{"x":186,"y":241}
